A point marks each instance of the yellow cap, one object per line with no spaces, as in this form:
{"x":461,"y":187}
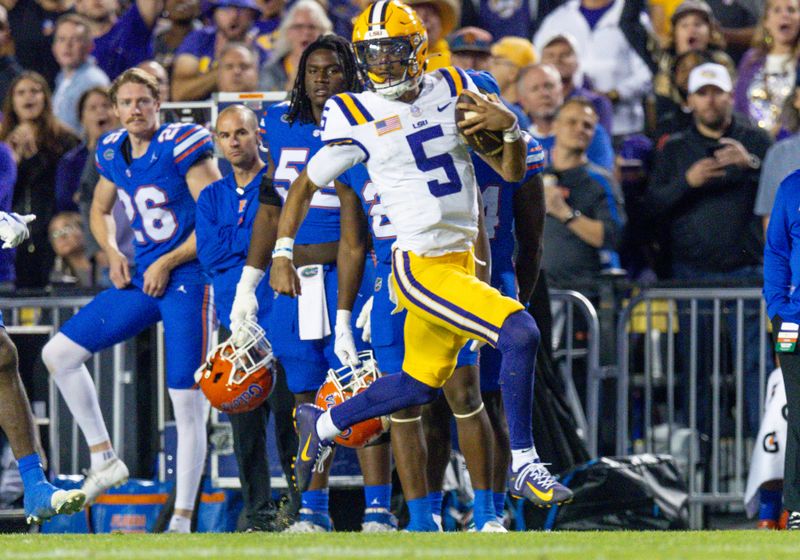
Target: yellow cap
{"x":517,"y":50}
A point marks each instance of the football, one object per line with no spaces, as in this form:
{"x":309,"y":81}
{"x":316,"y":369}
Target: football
{"x":486,"y":142}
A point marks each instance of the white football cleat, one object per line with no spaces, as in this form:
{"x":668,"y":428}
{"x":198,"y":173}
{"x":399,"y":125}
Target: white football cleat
{"x":305,"y":527}
{"x":112,"y":474}
{"x":493,"y":527}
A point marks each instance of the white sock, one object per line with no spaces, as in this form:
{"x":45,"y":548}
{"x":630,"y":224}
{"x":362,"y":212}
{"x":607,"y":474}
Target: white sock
{"x":64,"y":360}
{"x":191,"y":412}
{"x":180,"y":524}
{"x":325,"y":428}
{"x":521,"y":457}
{"x":99,"y":458}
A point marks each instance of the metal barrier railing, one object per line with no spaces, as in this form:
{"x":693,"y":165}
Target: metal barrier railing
{"x":44,"y":316}
{"x":566,"y":355}
{"x":694,"y":309}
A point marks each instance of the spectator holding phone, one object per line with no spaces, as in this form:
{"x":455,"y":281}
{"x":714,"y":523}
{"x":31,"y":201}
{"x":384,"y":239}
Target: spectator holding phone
{"x":702,"y":193}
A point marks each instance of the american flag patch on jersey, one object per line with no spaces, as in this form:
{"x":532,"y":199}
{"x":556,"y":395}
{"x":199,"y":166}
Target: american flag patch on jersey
{"x":388,"y":125}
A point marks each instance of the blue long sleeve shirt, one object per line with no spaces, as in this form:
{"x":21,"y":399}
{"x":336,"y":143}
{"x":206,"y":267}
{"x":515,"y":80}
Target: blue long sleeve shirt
{"x":225,"y":216}
{"x":782,"y":252}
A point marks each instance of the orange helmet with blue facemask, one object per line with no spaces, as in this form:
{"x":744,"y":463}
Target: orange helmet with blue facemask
{"x":391,"y":47}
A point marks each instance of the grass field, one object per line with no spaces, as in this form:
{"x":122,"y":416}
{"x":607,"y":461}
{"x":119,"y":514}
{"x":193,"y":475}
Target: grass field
{"x":727,"y":545}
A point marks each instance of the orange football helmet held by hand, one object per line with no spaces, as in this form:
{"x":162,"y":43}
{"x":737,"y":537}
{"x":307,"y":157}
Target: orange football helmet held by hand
{"x":343,"y":383}
{"x":237,"y":378}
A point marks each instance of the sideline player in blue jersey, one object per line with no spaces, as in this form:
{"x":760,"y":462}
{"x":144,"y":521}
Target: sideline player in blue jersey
{"x":514,"y":218}
{"x":304,"y":346}
{"x":42,"y":500}
{"x":157,"y":171}
{"x":226,"y":210}
{"x":383,"y":328}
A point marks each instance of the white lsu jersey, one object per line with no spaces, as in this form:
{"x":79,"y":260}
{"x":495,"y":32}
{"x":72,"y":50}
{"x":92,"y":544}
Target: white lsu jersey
{"x":417,"y":160}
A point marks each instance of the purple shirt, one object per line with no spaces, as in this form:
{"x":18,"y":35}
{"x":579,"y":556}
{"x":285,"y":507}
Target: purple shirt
{"x":593,"y":15}
{"x":8,"y":178}
{"x":200,"y":44}
{"x":68,"y":177}
{"x":126,"y":44}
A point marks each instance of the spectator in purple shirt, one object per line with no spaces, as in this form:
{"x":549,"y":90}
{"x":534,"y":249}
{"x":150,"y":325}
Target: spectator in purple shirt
{"x":562,"y":52}
{"x":96,"y":115}
{"x":194,"y":71}
{"x":8,"y":178}
{"x":121,"y":42}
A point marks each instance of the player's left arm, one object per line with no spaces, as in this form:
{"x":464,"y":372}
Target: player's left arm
{"x":352,"y":246}
{"x":327,"y":164}
{"x":529,"y":215}
{"x":350,"y":269}
{"x":156,"y":277}
{"x":491,"y":114}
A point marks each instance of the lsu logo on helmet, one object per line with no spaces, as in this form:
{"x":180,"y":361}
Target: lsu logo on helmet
{"x":238,"y":379}
{"x":391,"y":47}
{"x":343,"y":383}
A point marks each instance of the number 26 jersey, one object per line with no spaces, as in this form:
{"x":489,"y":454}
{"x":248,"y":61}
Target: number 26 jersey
{"x":153,"y":190}
{"x":417,"y":160}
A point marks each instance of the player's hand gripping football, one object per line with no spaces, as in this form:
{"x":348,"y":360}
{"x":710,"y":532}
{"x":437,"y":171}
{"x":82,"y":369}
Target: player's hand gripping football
{"x":484,"y":113}
{"x":14,"y":228}
{"x":283,"y":277}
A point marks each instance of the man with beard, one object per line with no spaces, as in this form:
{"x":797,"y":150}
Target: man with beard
{"x":194,"y":71}
{"x":702,"y":190}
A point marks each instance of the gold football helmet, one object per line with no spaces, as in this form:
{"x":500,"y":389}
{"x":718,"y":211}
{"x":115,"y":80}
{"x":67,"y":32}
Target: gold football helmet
{"x":391,"y":47}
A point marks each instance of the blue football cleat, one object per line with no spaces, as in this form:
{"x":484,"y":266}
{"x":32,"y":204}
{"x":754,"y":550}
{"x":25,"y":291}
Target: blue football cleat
{"x":311,"y":448}
{"x":44,"y":500}
{"x":535,"y":483}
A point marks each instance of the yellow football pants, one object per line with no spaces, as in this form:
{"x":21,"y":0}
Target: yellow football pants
{"x":447,"y":305}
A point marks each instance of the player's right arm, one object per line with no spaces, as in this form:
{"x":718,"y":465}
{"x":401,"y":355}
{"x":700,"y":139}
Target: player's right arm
{"x":104,"y":230}
{"x":529,"y":215}
{"x":262,"y":241}
{"x":340,"y":153}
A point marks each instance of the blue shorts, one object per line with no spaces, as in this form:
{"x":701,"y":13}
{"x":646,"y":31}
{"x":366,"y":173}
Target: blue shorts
{"x":307,"y":362}
{"x":387,"y":329}
{"x":2,"y":324}
{"x":117,"y":315}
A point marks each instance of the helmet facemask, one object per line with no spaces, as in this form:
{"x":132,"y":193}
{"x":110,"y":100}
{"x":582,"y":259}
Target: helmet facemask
{"x":380,"y":59}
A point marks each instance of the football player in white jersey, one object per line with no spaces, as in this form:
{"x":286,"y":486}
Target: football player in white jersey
{"x":404,"y":131}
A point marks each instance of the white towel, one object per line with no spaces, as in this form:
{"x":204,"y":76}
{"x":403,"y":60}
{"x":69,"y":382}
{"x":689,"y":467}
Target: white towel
{"x":312,"y":307}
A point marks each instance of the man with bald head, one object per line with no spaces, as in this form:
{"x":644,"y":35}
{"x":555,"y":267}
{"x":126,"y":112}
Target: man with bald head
{"x":226,"y":210}
{"x":541,"y":93}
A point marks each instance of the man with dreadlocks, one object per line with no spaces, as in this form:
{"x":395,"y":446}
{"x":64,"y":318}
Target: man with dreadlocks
{"x":331,"y":254}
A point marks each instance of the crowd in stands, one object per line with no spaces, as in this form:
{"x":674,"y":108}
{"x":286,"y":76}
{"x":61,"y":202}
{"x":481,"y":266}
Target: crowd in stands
{"x":658,"y":119}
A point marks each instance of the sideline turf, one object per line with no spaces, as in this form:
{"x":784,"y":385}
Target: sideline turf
{"x":724,"y":545}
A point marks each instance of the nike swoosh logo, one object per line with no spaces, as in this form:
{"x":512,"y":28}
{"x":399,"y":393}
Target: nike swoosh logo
{"x":544,"y":496}
{"x":304,"y":455}
{"x":443,"y":107}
